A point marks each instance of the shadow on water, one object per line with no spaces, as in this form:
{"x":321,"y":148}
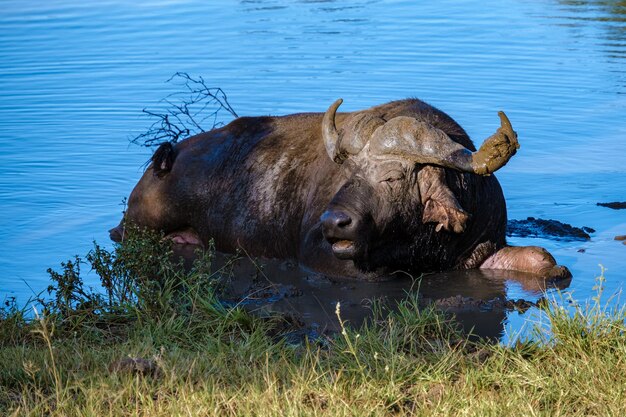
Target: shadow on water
{"x":477,"y":298}
{"x":606,"y":14}
{"x":611,"y":11}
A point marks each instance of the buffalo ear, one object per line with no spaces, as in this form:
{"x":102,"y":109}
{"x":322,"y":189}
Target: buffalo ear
{"x":163,"y":159}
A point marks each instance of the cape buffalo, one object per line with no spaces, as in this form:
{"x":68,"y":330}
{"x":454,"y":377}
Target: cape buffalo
{"x":398,"y":186}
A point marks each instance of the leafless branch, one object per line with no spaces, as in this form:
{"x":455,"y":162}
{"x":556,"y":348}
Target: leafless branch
{"x":187,"y":112}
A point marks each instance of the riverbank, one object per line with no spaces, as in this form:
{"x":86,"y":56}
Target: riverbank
{"x":158,"y":342}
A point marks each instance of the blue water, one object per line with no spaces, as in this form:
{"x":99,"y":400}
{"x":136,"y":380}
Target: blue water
{"x":75,"y":76}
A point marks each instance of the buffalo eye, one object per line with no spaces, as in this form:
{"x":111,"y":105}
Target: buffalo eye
{"x":393,"y":176}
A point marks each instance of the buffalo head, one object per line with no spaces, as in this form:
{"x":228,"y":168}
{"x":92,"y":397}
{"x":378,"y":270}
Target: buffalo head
{"x":377,"y":217}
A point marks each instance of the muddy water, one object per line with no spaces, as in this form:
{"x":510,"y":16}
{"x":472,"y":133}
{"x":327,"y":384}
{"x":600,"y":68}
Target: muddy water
{"x":479,"y":300}
{"x":75,"y":76}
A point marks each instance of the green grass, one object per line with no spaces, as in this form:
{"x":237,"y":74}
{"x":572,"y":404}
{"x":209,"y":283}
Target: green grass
{"x":206,"y":359}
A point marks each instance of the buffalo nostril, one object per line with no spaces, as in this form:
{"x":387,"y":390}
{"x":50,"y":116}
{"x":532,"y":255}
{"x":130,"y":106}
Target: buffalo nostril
{"x":336,"y":219}
{"x":342,"y":220}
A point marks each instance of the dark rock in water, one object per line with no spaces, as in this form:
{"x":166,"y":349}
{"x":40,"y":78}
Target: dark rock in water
{"x":616,"y":205}
{"x":550,"y":229}
{"x":458,"y":303}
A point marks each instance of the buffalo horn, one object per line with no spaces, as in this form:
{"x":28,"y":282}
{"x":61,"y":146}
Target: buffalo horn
{"x":330,"y":133}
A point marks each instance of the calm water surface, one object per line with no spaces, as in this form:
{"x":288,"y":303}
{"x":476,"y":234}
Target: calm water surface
{"x":75,"y":76}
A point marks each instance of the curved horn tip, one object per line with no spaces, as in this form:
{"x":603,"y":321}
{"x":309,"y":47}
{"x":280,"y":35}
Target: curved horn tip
{"x":506,"y":124}
{"x":336,"y":104}
{"x":504,"y":120}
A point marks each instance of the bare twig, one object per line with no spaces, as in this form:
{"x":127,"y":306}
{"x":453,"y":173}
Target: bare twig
{"x":186,"y":113}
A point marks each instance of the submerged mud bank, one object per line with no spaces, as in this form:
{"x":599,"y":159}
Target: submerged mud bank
{"x":547,"y":228}
{"x":308,"y":301}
